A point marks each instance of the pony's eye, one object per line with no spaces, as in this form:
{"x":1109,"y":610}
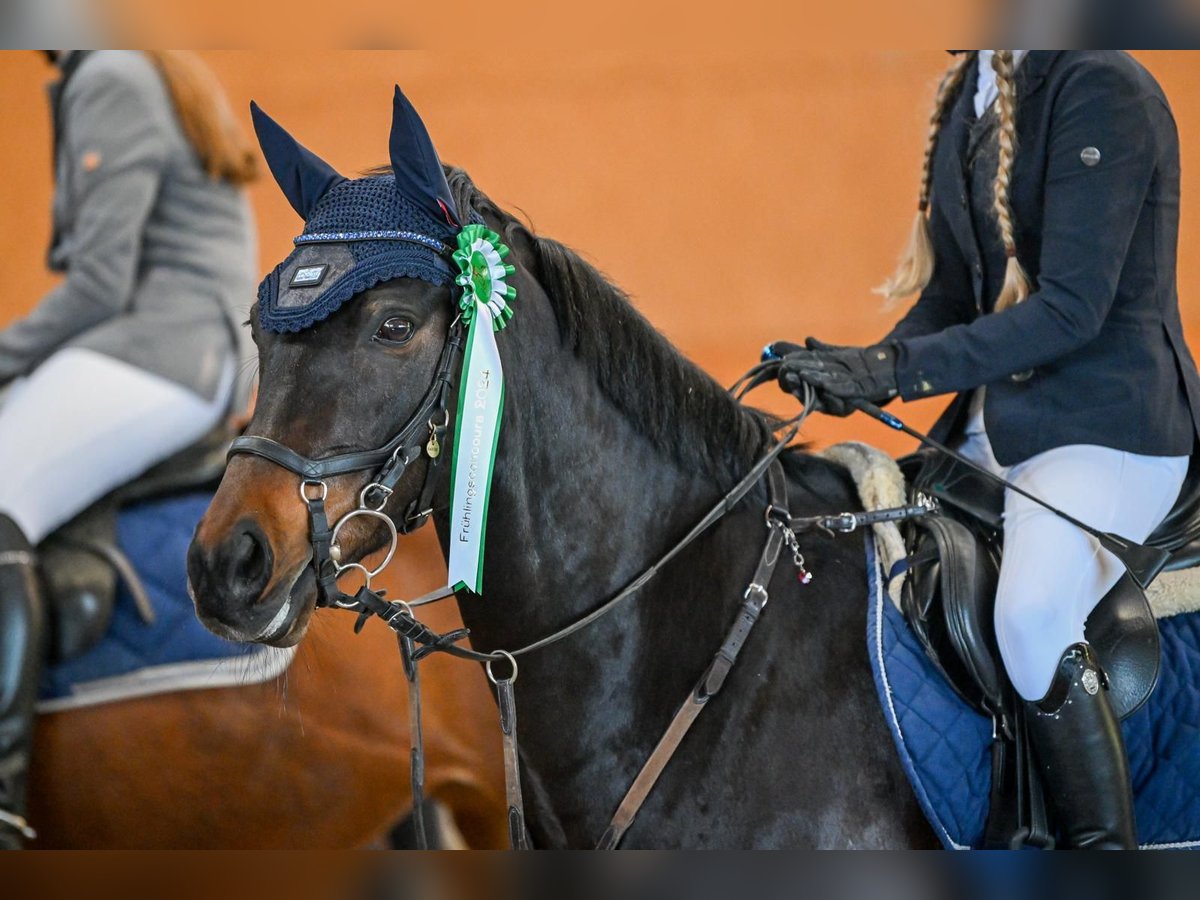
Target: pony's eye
{"x":396,"y":330}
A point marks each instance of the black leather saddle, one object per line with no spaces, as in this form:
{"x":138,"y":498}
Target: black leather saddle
{"x":949,"y":597}
{"x":81,"y":563}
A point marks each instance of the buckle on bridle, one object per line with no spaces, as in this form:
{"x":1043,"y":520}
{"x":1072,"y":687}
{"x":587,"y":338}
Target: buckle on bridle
{"x":776,"y":516}
{"x":306,"y":483}
{"x":844,"y":523}
{"x":374,"y":487}
{"x":758,"y":591}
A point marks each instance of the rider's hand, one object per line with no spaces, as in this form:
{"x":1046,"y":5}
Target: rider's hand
{"x":840,"y":375}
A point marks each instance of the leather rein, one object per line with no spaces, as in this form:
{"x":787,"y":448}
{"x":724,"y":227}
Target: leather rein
{"x":422,"y":435}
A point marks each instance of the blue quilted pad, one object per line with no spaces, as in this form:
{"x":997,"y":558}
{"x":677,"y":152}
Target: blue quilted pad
{"x":945,"y":746}
{"x":155,"y":536}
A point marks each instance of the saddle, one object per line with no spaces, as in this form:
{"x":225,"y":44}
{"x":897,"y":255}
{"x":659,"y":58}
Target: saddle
{"x":82,"y":564}
{"x":948,"y":598}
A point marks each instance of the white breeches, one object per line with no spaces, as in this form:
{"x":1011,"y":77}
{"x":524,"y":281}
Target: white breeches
{"x":83,"y":424}
{"x":1053,"y":574}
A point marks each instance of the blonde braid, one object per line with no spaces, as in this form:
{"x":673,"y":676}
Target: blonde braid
{"x":1016,"y":282}
{"x":915,"y":267}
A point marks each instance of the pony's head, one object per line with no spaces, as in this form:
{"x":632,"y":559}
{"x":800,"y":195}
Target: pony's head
{"x":352,"y":332}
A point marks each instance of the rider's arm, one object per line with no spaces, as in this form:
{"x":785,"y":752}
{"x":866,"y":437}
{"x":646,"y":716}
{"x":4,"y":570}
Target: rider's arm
{"x":1090,"y":216}
{"x":116,"y":151}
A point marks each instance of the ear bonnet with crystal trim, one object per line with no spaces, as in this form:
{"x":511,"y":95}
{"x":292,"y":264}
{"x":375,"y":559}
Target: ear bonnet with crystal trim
{"x":357,"y":232}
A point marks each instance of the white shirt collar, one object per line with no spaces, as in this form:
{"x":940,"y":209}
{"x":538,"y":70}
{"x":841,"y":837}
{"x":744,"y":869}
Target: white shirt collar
{"x":986,"y":91}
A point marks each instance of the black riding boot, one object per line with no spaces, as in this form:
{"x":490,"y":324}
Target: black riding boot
{"x":22,"y":631}
{"x":1080,"y":752}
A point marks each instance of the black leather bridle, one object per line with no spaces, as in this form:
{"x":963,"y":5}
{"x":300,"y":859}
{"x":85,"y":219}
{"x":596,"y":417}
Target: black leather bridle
{"x":421,"y":435}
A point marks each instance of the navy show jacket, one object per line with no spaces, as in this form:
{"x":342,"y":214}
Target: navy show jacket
{"x":1096,"y":355}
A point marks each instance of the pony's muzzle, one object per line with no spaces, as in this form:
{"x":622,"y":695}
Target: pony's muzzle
{"x":228,"y":578}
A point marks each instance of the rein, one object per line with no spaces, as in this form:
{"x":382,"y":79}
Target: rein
{"x":416,"y":640}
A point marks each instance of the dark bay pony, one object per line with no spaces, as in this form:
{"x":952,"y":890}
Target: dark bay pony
{"x":318,"y":760}
{"x":613,"y":446}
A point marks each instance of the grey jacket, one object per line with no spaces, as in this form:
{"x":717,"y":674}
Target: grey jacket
{"x":160,"y":260}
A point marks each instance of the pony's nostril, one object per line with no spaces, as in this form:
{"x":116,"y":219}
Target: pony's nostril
{"x":250,"y":560}
{"x":250,"y":557}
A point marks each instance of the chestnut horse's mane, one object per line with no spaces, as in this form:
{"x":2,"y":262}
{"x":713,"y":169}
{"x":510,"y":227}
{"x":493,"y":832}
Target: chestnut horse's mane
{"x":678,"y":407}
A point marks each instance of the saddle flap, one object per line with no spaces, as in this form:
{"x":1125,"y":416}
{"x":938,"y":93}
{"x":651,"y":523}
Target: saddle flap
{"x":1123,"y":632}
{"x":947,"y":598}
{"x":81,"y":563}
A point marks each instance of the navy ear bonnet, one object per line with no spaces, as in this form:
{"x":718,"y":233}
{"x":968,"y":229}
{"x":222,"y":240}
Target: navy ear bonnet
{"x":357,"y":233}
{"x":334,"y":258}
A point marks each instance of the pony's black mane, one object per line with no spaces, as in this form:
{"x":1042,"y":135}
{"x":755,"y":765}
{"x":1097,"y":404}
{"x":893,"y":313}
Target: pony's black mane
{"x":679,"y":408}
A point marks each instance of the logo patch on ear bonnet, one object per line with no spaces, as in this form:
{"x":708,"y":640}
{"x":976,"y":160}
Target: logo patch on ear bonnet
{"x":309,"y":276}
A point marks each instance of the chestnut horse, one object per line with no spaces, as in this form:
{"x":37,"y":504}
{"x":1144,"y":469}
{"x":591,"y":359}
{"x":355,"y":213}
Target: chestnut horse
{"x":319,"y":759}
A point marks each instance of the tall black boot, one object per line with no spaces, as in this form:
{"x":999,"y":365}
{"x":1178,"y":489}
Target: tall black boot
{"x":1080,"y":752}
{"x":22,"y":634}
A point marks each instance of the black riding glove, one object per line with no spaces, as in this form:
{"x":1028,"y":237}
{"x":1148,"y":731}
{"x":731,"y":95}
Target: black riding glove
{"x":840,"y":375}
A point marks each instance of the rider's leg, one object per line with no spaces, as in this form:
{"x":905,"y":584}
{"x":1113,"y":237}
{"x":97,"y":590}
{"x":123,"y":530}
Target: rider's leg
{"x":81,"y":425}
{"x":1051,"y":578}
{"x":22,"y":635}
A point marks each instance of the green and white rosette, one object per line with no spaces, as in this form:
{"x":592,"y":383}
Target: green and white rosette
{"x":485,"y":306}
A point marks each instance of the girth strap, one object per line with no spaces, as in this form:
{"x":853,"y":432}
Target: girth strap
{"x":712,"y":680}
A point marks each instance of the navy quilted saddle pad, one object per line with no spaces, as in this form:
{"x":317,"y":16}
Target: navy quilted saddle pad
{"x":945,"y":745}
{"x":176,"y":652}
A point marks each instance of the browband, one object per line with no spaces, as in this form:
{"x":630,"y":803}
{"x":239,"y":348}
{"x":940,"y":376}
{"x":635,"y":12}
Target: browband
{"x":344,"y":237}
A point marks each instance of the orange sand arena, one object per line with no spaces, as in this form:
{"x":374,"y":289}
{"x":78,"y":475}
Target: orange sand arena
{"x":738,"y":197}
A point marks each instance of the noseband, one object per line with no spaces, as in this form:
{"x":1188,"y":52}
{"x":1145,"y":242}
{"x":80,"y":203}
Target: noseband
{"x":421,"y":434}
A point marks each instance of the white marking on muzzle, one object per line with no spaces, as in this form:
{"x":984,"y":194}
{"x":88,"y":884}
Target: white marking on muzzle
{"x":276,"y":623}
{"x":285,"y":610}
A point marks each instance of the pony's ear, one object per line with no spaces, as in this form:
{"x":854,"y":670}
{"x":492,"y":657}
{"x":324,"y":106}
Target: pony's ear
{"x":303,"y":176}
{"x":419,"y":173}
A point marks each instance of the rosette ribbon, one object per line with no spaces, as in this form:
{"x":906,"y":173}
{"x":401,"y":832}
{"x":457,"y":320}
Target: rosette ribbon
{"x":485,"y":307}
